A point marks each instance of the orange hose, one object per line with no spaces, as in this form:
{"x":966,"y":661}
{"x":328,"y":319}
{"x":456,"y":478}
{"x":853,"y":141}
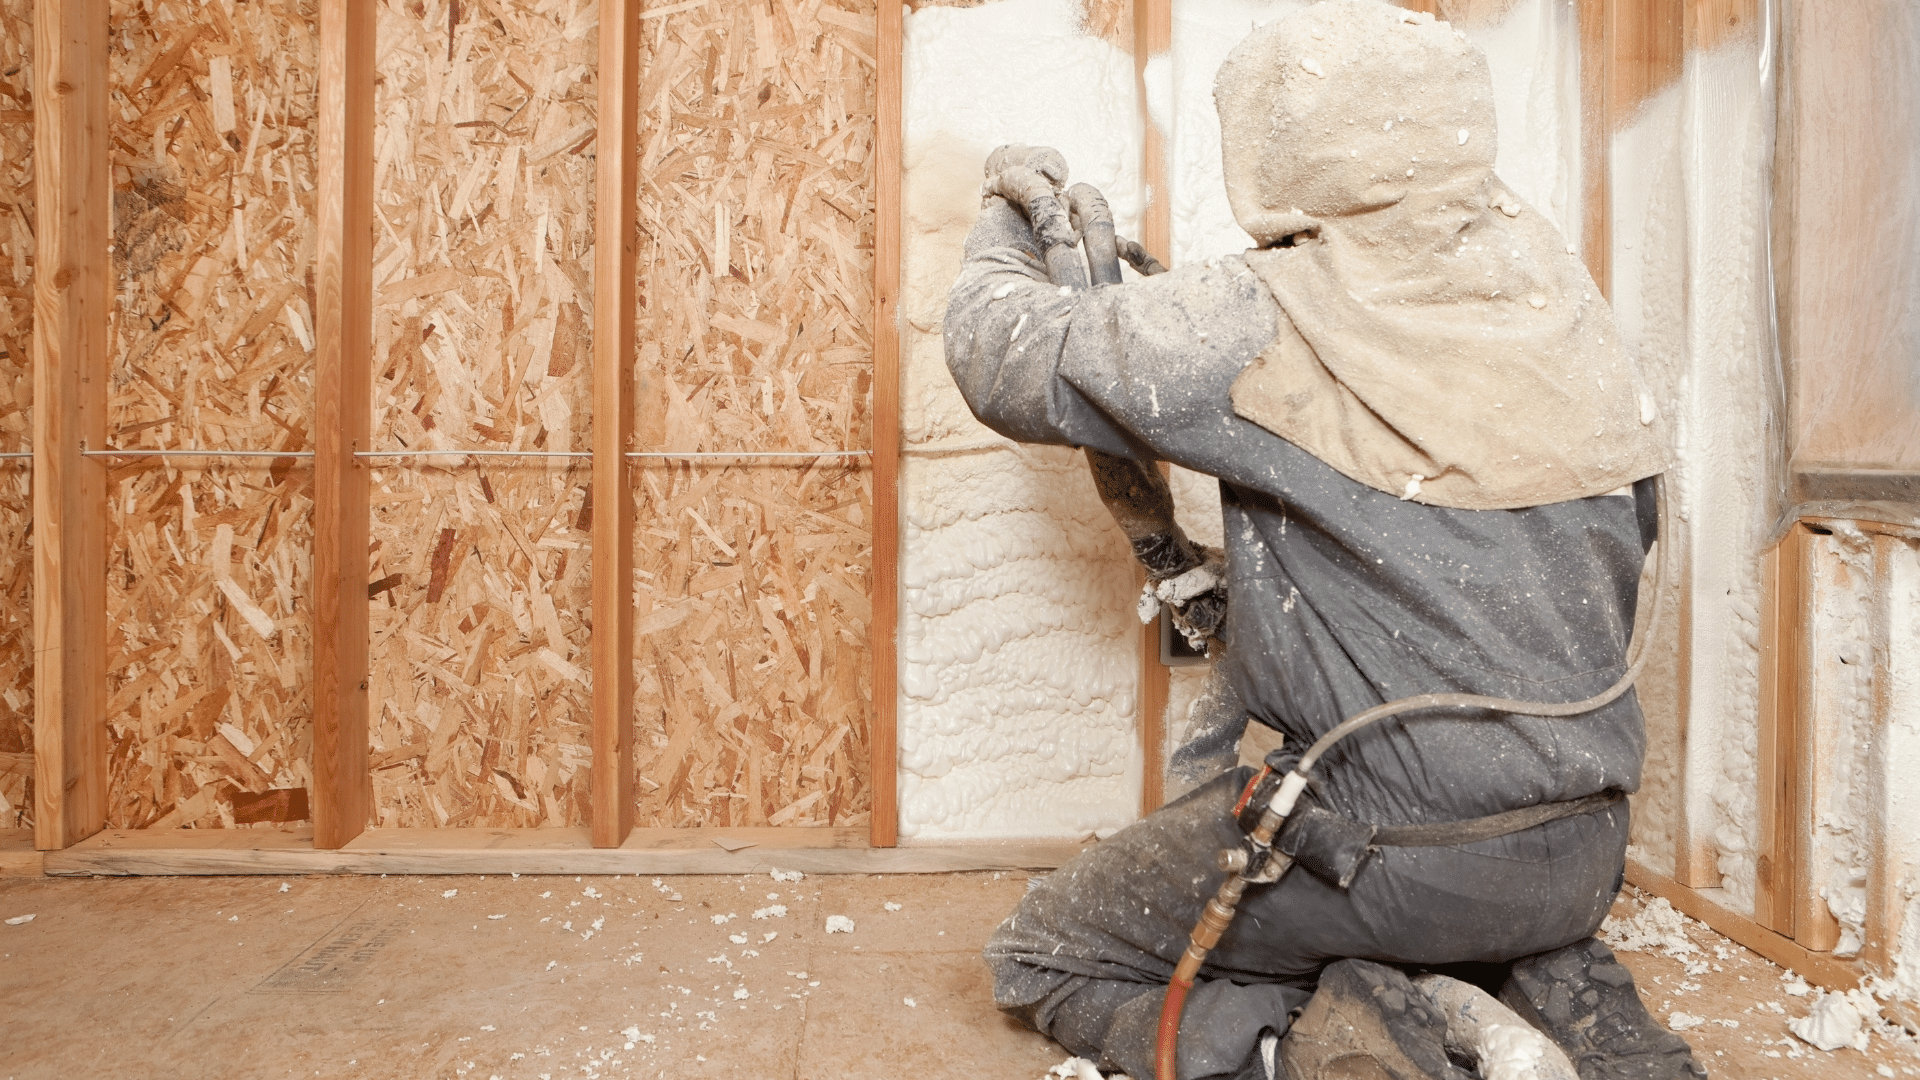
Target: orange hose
{"x":1169,"y":1035}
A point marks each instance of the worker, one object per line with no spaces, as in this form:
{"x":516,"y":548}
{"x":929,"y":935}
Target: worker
{"x":1434,"y":464}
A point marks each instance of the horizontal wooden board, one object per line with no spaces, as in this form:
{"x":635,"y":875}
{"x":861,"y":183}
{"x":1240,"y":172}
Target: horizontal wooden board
{"x":1705,"y":905}
{"x":17,"y":855}
{"x":535,"y":851}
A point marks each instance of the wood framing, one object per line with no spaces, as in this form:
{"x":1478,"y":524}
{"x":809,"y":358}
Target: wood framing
{"x":1707,"y":906}
{"x":18,"y":855}
{"x":1848,"y":125}
{"x":1631,"y":50}
{"x":1596,"y":129}
{"x":611,"y":782}
{"x":1806,"y":775}
{"x":1647,"y":48}
{"x":343,"y":378}
{"x":1781,"y":861}
{"x":1153,"y":36}
{"x":73,"y":292}
{"x":883,"y":736}
{"x":539,"y":851}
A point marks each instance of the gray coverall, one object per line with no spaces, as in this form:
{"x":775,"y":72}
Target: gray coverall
{"x":1342,"y":597}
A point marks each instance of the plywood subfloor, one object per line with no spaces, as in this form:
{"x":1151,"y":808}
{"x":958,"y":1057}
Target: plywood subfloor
{"x":515,"y":978}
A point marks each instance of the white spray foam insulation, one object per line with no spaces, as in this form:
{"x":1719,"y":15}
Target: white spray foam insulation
{"x":1841,"y":681}
{"x":1180,"y":103}
{"x":1901,"y":756}
{"x":1018,"y":671}
{"x":1689,"y":214}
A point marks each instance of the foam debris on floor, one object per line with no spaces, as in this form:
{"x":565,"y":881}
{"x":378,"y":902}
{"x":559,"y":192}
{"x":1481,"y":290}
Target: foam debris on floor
{"x":1745,"y":1016}
{"x":630,"y":977}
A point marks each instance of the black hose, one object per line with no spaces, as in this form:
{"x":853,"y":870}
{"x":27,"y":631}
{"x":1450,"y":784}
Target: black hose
{"x":1094,"y":219}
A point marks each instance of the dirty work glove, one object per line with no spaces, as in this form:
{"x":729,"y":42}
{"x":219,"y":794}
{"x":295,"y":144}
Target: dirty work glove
{"x":1196,"y":598}
{"x":1031,"y":178}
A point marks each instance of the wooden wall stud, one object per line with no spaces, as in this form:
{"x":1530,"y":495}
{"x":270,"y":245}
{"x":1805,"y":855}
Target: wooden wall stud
{"x":611,"y":780}
{"x":73,"y":291}
{"x":343,"y":413}
{"x":1153,"y":36}
{"x":883,"y":738}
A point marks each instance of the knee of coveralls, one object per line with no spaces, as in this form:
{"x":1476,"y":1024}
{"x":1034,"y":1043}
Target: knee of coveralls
{"x":1086,"y":956}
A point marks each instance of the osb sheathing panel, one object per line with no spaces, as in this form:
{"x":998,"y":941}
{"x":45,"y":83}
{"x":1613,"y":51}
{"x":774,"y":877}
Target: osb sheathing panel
{"x":208,"y":563}
{"x":755,"y":270}
{"x":16,"y":398}
{"x":483,"y":184}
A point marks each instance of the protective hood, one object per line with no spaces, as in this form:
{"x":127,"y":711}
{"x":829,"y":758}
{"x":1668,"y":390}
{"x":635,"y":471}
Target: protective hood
{"x":1450,"y":348}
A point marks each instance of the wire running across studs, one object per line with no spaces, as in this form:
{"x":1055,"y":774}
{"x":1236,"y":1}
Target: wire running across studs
{"x":84,"y":452}
{"x":676,"y":455}
{"x":473,"y":453}
{"x":631,"y":455}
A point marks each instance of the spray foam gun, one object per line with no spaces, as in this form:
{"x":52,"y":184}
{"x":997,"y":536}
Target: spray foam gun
{"x":1032,"y":178}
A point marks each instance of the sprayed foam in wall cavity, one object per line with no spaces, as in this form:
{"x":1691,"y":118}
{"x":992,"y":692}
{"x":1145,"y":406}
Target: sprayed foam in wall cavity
{"x":1018,"y":667}
{"x":1689,"y":199}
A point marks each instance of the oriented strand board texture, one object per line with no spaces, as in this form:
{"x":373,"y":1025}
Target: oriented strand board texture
{"x":483,"y":183}
{"x":755,"y":269}
{"x":209,"y":563}
{"x":16,"y":398}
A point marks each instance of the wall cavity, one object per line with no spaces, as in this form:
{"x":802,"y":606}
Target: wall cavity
{"x":1018,"y":670}
{"x":1689,"y":177}
{"x":1900,"y":757}
{"x":1841,"y":676}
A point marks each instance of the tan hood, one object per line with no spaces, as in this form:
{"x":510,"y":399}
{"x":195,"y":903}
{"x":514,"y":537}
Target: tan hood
{"x":1450,"y":347}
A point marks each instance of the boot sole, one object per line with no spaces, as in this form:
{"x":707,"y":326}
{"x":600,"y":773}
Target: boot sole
{"x":1583,"y":999}
{"x":1367,"y":1021}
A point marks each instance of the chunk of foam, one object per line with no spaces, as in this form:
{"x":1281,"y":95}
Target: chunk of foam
{"x":1834,"y":1022}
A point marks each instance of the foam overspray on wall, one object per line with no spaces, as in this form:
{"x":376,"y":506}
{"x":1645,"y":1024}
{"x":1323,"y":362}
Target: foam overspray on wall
{"x":1018,"y":669}
{"x":1689,"y":177}
{"x":1841,"y":678}
{"x":1900,"y":757}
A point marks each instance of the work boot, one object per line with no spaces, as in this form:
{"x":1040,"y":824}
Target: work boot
{"x":1583,"y":999}
{"x":1368,"y":1022}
